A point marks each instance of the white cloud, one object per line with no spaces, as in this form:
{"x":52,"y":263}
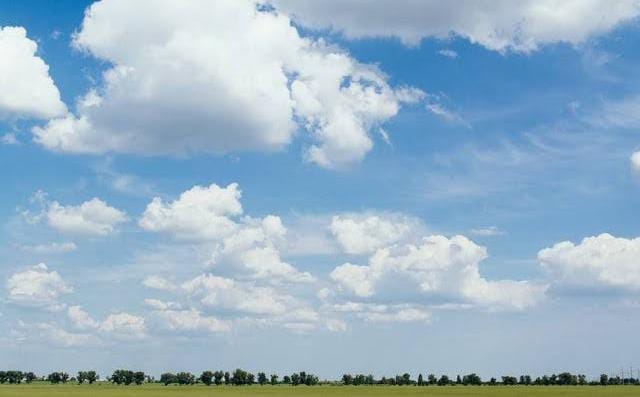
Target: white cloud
{"x":159,"y":283}
{"x":365,"y":233}
{"x":635,"y":162}
{"x":194,"y":78}
{"x":192,"y":321}
{"x":402,"y":316}
{"x":438,"y":268}
{"x":124,"y":326}
{"x":488,"y":231}
{"x":60,"y":337}
{"x":211,"y":215}
{"x":27,"y":89}
{"x":225,"y":293}
{"x":81,"y":319}
{"x":38,"y":287}
{"x":93,"y":217}
{"x":500,"y":25}
{"x":161,"y":305}
{"x":448,"y":53}
{"x":600,"y":262}
{"x":51,"y":248}
{"x":9,"y":139}
{"x":201,"y":213}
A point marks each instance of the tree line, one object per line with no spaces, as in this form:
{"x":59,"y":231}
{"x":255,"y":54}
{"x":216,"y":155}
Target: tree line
{"x":240,"y":377}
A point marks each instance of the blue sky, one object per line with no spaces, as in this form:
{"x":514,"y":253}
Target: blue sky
{"x":455,"y":186}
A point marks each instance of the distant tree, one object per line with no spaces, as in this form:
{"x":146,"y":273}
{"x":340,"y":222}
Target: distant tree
{"x":582,"y":380}
{"x":206,"y":377}
{"x":472,"y":379}
{"x":30,"y":377}
{"x":420,"y":380}
{"x":218,"y":376}
{"x":274,"y":379}
{"x":431,"y":379}
{"x":347,"y":379}
{"x":406,"y":379}
{"x":262,"y":378}
{"x":185,"y":378}
{"x":458,"y":380}
{"x":493,"y":381}
{"x":509,"y":380}
{"x":227,"y":378}
{"x":251,"y":378}
{"x":58,"y":377}
{"x":295,"y":379}
{"x":168,"y":378}
{"x":443,"y":381}
{"x":239,"y":377}
{"x":139,"y":377}
{"x":13,"y":377}
{"x":604,"y":379}
{"x":286,"y":379}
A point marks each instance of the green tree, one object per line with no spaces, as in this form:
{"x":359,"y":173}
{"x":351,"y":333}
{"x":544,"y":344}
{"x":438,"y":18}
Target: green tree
{"x":206,"y":377}
{"x":274,"y":379}
{"x":262,"y":378}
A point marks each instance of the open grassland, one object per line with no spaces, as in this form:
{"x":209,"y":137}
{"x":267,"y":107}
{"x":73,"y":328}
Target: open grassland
{"x":105,"y":390}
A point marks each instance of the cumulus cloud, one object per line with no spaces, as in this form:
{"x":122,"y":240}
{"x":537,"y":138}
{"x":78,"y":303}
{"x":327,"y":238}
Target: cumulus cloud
{"x":599,"y":262}
{"x":365,"y":233}
{"x":194,"y":78}
{"x":81,"y":319}
{"x":201,"y":213}
{"x":124,"y":326}
{"x":27,"y":89}
{"x":93,"y":217}
{"x":191,"y":321}
{"x":211,"y":215}
{"x":499,"y":25}
{"x":437,"y":269}
{"x":37,"y":287}
{"x":119,"y":326}
{"x":60,"y":337}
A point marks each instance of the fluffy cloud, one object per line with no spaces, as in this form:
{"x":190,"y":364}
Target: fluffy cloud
{"x":124,"y":326}
{"x":190,"y":77}
{"x":600,"y":262}
{"x":495,"y":24}
{"x":211,"y":215}
{"x":120,"y":326}
{"x":439,"y":269}
{"x":635,"y":162}
{"x":63,"y":338}
{"x":38,"y":287}
{"x":81,"y":319}
{"x":191,"y":321}
{"x":201,"y":213}
{"x":93,"y":217}
{"x":365,"y":233}
{"x":26,"y":90}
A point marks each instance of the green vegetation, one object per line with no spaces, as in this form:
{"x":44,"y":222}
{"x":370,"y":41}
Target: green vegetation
{"x":103,"y":389}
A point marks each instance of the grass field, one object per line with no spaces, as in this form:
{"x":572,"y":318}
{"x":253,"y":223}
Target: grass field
{"x":104,"y":390}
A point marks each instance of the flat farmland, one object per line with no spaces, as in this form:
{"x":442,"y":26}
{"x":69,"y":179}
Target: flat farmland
{"x":105,"y":390}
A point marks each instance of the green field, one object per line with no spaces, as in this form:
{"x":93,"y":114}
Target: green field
{"x":104,"y":390}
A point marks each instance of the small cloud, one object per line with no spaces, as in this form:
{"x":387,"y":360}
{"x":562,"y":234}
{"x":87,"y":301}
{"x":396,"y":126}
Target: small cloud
{"x":635,"y":162}
{"x":436,"y":106}
{"x":9,"y":139}
{"x":51,"y":248}
{"x":448,"y":53}
{"x":487,"y":231}
{"x":385,"y":136}
{"x":55,"y":35}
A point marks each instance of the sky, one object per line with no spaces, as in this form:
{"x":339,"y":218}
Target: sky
{"x":337,"y":186}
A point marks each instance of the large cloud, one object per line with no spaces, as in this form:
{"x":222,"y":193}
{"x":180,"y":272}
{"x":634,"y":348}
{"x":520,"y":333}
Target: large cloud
{"x":189,"y":77}
{"x":212,"y":215}
{"x":438,"y":270}
{"x":93,"y":217}
{"x":520,"y":25}
{"x":365,"y":233}
{"x":38,"y":287}
{"x":600,"y":262}
{"x":26,"y":89}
